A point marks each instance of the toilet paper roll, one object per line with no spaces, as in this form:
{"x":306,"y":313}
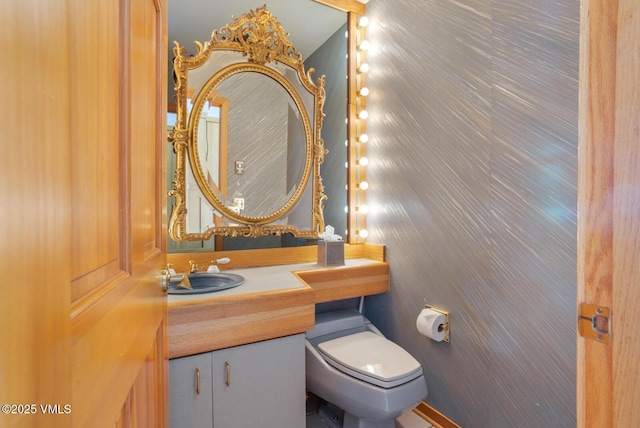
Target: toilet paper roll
{"x":432,"y":324}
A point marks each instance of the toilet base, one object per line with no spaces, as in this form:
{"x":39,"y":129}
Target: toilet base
{"x":351,"y":421}
{"x":331,"y":415}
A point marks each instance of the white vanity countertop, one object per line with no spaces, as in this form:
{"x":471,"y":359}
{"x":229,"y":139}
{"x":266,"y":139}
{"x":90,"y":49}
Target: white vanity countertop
{"x":263,"y":280}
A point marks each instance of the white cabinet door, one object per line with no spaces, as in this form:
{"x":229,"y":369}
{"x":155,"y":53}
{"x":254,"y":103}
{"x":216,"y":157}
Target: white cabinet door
{"x":260,"y":385}
{"x":190,"y":392}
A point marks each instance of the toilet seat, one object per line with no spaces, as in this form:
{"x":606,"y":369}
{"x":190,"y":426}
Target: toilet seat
{"x":371,"y":358}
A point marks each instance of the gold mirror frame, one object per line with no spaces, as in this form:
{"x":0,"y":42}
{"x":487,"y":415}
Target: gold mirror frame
{"x":260,"y":38}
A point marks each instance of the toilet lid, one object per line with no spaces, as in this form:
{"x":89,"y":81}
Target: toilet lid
{"x":371,"y":358}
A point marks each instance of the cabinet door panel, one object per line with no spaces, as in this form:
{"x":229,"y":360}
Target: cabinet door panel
{"x":187,"y":407}
{"x":262,"y":386}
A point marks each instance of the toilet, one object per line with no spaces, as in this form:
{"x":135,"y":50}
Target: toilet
{"x":350,"y":364}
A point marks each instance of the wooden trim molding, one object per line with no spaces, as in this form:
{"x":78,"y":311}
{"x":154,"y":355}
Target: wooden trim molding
{"x":434,"y":417}
{"x":272,"y":256}
{"x":354,"y":6}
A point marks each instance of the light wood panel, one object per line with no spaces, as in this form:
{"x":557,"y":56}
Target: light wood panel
{"x":609,"y":221}
{"x":222,"y":322}
{"x":118,"y":351}
{"x":95,"y":157}
{"x":36,"y":219}
{"x":344,"y":282}
{"x":87,"y":314}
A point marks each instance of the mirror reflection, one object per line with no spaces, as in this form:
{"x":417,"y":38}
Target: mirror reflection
{"x":330,"y":60}
{"x":267,"y":141}
{"x":266,"y":51}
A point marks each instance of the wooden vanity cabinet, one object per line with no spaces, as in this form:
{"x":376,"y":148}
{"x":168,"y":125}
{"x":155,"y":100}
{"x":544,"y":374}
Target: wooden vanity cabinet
{"x":261,"y":384}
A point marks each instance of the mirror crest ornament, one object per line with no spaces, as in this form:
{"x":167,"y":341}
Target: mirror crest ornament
{"x":262,"y":42}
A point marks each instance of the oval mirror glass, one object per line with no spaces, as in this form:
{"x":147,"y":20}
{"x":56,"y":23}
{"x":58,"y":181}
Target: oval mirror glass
{"x":252,"y":140}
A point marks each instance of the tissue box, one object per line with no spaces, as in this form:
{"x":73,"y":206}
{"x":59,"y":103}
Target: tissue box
{"x":330,"y":253}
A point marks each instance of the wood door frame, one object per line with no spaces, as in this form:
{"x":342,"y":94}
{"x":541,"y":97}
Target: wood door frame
{"x":608,"y":218}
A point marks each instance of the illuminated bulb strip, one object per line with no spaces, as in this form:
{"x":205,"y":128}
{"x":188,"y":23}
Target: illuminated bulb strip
{"x":361,"y":160}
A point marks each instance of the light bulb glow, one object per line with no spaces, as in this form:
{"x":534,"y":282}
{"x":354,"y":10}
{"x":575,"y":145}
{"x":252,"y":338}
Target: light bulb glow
{"x":364,"y":45}
{"x":363,"y":185}
{"x":364,"y":21}
{"x":363,"y":114}
{"x":364,"y":209}
{"x":363,"y":138}
{"x":363,"y":233}
{"x":364,"y":68}
{"x":363,"y":161}
{"x":364,"y":91}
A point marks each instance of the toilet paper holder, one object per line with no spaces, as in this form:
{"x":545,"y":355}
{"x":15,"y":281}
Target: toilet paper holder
{"x":447,"y":325}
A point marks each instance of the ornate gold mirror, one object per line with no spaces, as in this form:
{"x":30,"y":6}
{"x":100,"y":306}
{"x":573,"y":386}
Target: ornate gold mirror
{"x":247,"y":84}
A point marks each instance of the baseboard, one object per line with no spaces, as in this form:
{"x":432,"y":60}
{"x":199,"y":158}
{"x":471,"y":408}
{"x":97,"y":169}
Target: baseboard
{"x":434,"y":417}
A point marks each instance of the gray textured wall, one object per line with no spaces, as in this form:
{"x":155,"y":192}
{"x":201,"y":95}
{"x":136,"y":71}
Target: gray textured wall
{"x":473,"y":172}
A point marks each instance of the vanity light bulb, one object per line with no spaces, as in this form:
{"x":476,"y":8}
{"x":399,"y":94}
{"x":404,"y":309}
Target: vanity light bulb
{"x":346,"y":34}
{"x":346,"y":143}
{"x":346,"y":209}
{"x":363,"y":233}
{"x":364,"y":68}
{"x":364,"y":21}
{"x":346,"y":164}
{"x":363,"y":161}
{"x":363,"y":114}
{"x":363,"y":185}
{"x":364,"y":45}
{"x":364,"y":91}
{"x":363,"y":138}
{"x":364,"y":209}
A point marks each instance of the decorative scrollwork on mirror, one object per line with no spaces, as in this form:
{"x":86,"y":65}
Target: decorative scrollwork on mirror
{"x":276,"y":131}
